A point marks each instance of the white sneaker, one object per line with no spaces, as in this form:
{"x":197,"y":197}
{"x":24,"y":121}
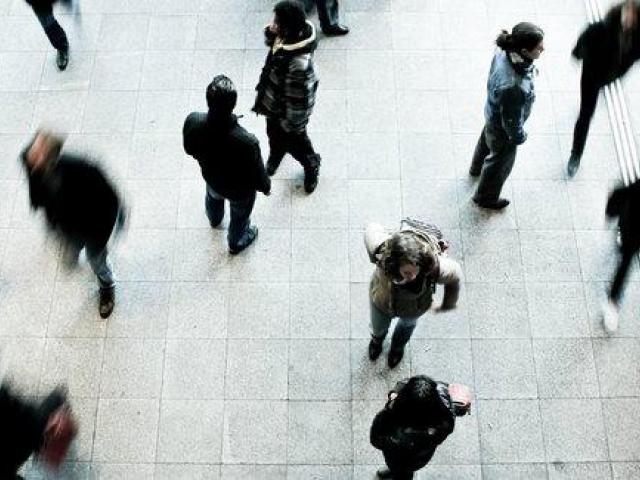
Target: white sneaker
{"x":609,"y":316}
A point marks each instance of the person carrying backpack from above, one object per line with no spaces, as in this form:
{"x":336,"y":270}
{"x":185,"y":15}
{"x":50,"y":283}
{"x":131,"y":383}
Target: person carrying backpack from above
{"x":409,"y":264}
{"x":418,"y":416}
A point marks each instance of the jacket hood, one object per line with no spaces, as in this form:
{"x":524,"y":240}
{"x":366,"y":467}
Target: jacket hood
{"x":307,"y":44}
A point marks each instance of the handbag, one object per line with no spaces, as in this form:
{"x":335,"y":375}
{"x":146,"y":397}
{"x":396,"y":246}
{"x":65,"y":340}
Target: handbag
{"x":60,"y":431}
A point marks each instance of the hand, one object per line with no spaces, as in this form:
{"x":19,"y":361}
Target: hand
{"x":267,"y":193}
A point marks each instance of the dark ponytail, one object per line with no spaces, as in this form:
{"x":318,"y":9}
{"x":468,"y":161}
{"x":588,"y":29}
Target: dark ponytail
{"x":524,"y":35}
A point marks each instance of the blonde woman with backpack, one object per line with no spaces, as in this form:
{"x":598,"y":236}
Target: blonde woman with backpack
{"x":409,"y":264}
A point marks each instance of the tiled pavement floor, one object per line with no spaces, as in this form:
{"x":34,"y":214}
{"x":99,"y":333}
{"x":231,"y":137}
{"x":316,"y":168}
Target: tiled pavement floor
{"x":254,"y":367}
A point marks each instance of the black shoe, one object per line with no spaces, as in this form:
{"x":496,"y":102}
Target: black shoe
{"x":253,"y":234}
{"x":62,"y":59}
{"x":383,"y":473}
{"x":573,"y":165}
{"x":496,"y":205}
{"x":375,"y":348}
{"x":107,"y":301}
{"x":475,"y":172}
{"x":395,"y":356}
{"x":311,"y":178}
{"x":335,"y":30}
{"x":272,"y":165}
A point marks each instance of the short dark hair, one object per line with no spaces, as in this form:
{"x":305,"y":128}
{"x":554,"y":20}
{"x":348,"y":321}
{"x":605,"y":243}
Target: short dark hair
{"x":291,"y":18}
{"x":418,"y":401}
{"x":524,"y":35}
{"x":404,"y":248}
{"x":222,"y":95}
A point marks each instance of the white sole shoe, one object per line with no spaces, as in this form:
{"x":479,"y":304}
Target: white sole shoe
{"x":609,"y":316}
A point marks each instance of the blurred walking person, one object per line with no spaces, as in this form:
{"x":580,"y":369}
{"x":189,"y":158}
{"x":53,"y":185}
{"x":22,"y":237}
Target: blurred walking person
{"x":230,"y":162}
{"x":56,"y":35}
{"x":608,"y":49}
{"x":329,"y":16}
{"x":286,"y":92}
{"x":510,"y":96}
{"x":80,"y":204}
{"x":623,"y":204}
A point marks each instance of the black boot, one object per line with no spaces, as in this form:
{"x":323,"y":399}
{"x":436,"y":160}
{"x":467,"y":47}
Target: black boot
{"x":107,"y":301}
{"x":383,"y":472}
{"x":311,"y":173}
{"x":573,"y":165}
{"x":272,"y":165}
{"x":375,"y":347}
{"x":395,"y":356}
{"x":62,"y":59}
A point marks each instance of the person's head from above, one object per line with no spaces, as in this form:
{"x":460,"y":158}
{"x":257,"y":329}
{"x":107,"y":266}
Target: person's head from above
{"x":44,"y":149}
{"x":418,"y":400}
{"x":525,"y":39}
{"x":289,"y":20}
{"x":221,"y":96}
{"x":404,"y":257}
{"x":629,"y":14}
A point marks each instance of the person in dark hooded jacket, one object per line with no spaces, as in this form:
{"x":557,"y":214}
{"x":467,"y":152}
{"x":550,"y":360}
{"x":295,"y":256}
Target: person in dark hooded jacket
{"x":44,"y":11}
{"x":80,"y":204}
{"x":416,"y":419}
{"x":287,"y":88}
{"x":23,"y":427}
{"x":230,"y":162}
{"x":623,"y":204}
{"x":608,"y":49}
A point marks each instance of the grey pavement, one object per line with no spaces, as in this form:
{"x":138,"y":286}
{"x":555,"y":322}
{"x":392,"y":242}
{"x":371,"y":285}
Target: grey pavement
{"x":255,"y":367}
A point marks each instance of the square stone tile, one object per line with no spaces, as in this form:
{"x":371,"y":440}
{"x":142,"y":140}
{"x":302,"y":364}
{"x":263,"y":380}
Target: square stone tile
{"x":132,"y":368}
{"x":201,"y":255}
{"x":135,"y":300}
{"x":154,"y":203}
{"x":186,"y":471}
{"x":420,"y":70}
{"x":565,"y":368}
{"x":625,"y":470}
{"x":318,"y":472}
{"x":328,"y":207}
{"x":617,"y":367}
{"x":319,"y":310}
{"x":368,"y":116}
{"x":74,"y":362}
{"x":109,"y":112}
{"x":504,"y":369}
{"x":125,"y":471}
{"x":319,"y":432}
{"x":161,"y":111}
{"x":451,"y":472}
{"x":435,"y":204}
{"x":255,"y":432}
{"x":84,"y":410}
{"x":319,"y":255}
{"x":374,"y":201}
{"x":629,"y":326}
{"x":475,"y":218}
{"x":368,"y":69}
{"x":172,"y":32}
{"x":24,"y":308}
{"x":514,"y":471}
{"x":373,"y":156}
{"x":462,"y":447}
{"x":330,"y":382}
{"x":126,"y":430}
{"x":586,"y":471}
{"x":256,"y":369}
{"x":588,"y":203}
{"x":492,"y":255}
{"x":598,"y":160}
{"x":577,"y":437}
{"x":542,"y":205}
{"x":167,"y":70}
{"x":270,"y":258}
{"x":363,"y":413}
{"x":221,"y":31}
{"x":157,"y":156}
{"x":123,"y":32}
{"x":431,"y":117}
{"x":540,"y":158}
{"x":22,"y":361}
{"x":18,"y":108}
{"x":330,"y":115}
{"x":499,"y":310}
{"x":550,"y":256}
{"x":198,"y":310}
{"x":274,"y":211}
{"x":373,"y":380}
{"x":117,"y":71}
{"x":258,"y":310}
{"x":622,"y":421}
{"x":424,"y":152}
{"x":254,"y":472}
{"x":331,"y":66}
{"x":371,"y":31}
{"x":598,"y":255}
{"x":201,"y":441}
{"x":410,"y":35}
{"x":557,"y":310}
{"x":466,"y":110}
{"x":510,"y":431}
{"x":42,"y":259}
{"x":194,"y":369}
{"x":20,"y":71}
{"x":447,"y":360}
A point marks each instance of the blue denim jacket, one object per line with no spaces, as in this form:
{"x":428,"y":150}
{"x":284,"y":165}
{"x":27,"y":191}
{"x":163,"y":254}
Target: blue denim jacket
{"x":510,"y":94}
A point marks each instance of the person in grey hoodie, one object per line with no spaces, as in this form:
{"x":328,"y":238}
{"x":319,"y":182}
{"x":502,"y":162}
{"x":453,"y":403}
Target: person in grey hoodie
{"x":510,"y":95}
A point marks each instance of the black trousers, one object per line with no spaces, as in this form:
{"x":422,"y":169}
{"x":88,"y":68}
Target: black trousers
{"x":620,"y":276}
{"x":297,"y":144}
{"x":327,"y":13}
{"x":51,"y":27}
{"x":590,"y":87}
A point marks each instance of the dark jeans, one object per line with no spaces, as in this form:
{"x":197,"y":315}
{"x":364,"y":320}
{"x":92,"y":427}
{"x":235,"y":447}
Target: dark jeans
{"x":493,"y":158}
{"x":327,"y":13}
{"x":98,"y":259}
{"x":589,"y":90}
{"x":620,"y":276}
{"x":239,"y":226}
{"x":52,"y":28}
{"x":380,"y":323}
{"x":297,"y":144}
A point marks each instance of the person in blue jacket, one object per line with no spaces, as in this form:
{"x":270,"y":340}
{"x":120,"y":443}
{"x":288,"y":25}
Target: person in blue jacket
{"x":510,"y":96}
